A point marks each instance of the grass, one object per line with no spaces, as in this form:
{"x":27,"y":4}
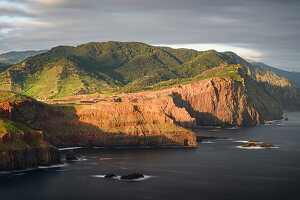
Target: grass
{"x":112,"y":67}
{"x":227,"y":71}
{"x":6,"y":96}
{"x":7,"y":126}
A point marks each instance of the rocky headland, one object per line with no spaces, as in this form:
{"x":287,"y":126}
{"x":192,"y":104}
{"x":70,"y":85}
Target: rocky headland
{"x":130,"y":94}
{"x":22,"y":147}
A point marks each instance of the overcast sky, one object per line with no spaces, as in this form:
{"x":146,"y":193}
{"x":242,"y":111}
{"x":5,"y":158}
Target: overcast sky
{"x":263,"y":30}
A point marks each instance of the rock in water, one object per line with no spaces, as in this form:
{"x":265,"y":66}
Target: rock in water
{"x":110,"y":176}
{"x":71,"y":156}
{"x":250,"y":145}
{"x":267,"y":145}
{"x":132,"y":176}
{"x":286,"y":119}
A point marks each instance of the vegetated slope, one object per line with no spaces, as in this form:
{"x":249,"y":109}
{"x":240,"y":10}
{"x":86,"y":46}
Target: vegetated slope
{"x":294,"y":77}
{"x":100,"y":67}
{"x":20,"y":146}
{"x":116,"y":67}
{"x":280,"y":88}
{"x":4,"y":66}
{"x":14,"y":57}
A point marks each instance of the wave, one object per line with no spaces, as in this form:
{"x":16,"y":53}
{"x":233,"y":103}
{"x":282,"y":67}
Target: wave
{"x":258,"y":147}
{"x":78,"y":160}
{"x":31,"y":169}
{"x":53,"y":166}
{"x":69,"y":148}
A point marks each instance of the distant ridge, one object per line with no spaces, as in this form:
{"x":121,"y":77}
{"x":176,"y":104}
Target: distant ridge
{"x":14,"y":57}
{"x":294,"y":77}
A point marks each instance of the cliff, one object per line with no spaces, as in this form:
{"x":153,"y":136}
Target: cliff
{"x":100,"y":124}
{"x":279,"y":88}
{"x":22,"y":147}
{"x":223,"y":101}
{"x":224,"y":96}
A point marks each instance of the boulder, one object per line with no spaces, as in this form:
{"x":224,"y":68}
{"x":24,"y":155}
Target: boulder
{"x":110,"y":176}
{"x":132,"y":176}
{"x":71,"y":156}
{"x":267,"y":145}
{"x":250,"y":145}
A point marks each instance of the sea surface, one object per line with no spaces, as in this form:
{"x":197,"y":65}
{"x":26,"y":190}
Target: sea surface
{"x":217,"y":170}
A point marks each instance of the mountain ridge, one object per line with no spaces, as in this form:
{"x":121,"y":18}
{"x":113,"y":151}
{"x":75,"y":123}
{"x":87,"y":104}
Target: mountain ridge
{"x":122,"y":67}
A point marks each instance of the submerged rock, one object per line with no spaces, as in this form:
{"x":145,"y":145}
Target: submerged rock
{"x":110,"y":176}
{"x":132,"y":176}
{"x":71,"y":156}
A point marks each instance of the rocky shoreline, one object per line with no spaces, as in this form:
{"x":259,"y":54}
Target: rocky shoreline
{"x":28,"y":158}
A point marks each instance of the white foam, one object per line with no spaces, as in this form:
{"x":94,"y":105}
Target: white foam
{"x":119,"y":178}
{"x":246,"y":141}
{"x":21,"y":171}
{"x":78,"y":160}
{"x":224,"y":139}
{"x":69,"y":148}
{"x":233,"y":128}
{"x":241,"y":141}
{"x":258,"y":147}
{"x":207,"y":142}
{"x":97,"y":176}
{"x":52,"y":166}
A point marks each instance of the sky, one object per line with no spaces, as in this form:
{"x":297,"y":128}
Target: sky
{"x":261,"y":30}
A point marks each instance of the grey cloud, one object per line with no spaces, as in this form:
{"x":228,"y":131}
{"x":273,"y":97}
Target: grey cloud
{"x":271,"y":27}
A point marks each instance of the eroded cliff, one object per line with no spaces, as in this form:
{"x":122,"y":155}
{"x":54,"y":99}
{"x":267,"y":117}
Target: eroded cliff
{"x":100,"y":124}
{"x":22,"y":147}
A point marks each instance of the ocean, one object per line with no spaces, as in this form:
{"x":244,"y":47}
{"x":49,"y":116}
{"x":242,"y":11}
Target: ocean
{"x":217,"y":170}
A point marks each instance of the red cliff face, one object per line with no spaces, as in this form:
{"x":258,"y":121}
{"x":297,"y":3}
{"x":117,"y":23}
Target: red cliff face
{"x":116,"y":124}
{"x":22,"y":147}
{"x":217,"y":101}
{"x":100,"y":124}
{"x":147,"y":118}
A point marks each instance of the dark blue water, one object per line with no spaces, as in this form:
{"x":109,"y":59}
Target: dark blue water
{"x":216,"y":170}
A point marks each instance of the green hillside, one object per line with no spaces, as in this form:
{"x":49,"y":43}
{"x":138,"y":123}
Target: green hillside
{"x":106,"y":67}
{"x":117,"y":67}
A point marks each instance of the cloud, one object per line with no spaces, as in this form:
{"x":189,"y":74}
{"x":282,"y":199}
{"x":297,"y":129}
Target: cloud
{"x":266,"y":30}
